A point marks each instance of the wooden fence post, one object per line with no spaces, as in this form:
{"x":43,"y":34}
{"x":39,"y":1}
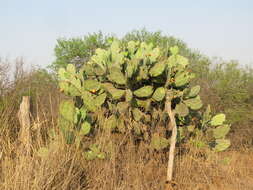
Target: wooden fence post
{"x":25,"y":124}
{"x":173,"y":125}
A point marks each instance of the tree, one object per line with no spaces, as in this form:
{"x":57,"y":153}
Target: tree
{"x":77,"y":50}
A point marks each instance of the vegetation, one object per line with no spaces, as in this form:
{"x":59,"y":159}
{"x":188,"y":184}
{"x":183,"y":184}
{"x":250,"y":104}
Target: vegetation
{"x":133,"y":84}
{"x":119,"y":138}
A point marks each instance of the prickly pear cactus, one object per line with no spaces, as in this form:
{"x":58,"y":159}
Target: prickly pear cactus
{"x":73,"y":122}
{"x":132,"y":81}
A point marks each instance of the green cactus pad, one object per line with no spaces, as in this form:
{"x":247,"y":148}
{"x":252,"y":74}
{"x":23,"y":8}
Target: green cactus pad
{"x":99,"y":100}
{"x":83,"y":112}
{"x":193,"y":92}
{"x":143,"y":92}
{"x":159,"y":94}
{"x":143,"y":103}
{"x":88,"y":101}
{"x":122,"y":107}
{"x":131,"y":67}
{"x":154,"y":55}
{"x":183,"y":78}
{"x":158,"y":142}
{"x":85,"y":128}
{"x":137,"y":114}
{"x":88,"y":69}
{"x":110,"y":123}
{"x":221,"y":131}
{"x":221,"y":145}
{"x":114,"y":92}
{"x":182,"y":61}
{"x":98,"y":70}
{"x":116,"y":55}
{"x":76,"y":83}
{"x":91,"y":85}
{"x":131,"y":46}
{"x":182,"y":110}
{"x":116,"y":76}
{"x":94,"y":153}
{"x":157,"y":69}
{"x":218,"y":119}
{"x":64,"y":86}
{"x":101,"y":57}
{"x":89,"y":155}
{"x":143,"y":73}
{"x":67,"y":110}
{"x":71,"y":69}
{"x":194,"y":103}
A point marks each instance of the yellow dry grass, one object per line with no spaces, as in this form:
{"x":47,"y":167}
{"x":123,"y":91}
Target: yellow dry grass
{"x":128,"y":168}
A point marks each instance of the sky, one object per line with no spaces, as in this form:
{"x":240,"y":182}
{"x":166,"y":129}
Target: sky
{"x":220,"y":28}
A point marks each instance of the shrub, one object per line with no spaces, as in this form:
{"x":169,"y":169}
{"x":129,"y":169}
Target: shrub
{"x":135,"y":84}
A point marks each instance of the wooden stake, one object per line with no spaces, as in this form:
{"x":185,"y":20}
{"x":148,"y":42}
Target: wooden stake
{"x":172,"y":143}
{"x":25,"y":124}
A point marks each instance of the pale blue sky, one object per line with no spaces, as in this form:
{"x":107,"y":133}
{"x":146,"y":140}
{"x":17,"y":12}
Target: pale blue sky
{"x":29,"y":28}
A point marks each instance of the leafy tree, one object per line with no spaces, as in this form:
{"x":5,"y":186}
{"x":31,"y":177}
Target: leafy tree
{"x":232,"y":84}
{"x":77,"y":50}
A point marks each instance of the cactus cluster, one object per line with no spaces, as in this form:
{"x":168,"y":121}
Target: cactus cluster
{"x":74,"y":122}
{"x":132,"y":81}
{"x":217,"y":127}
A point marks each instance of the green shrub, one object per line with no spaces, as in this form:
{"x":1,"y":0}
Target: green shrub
{"x":134,"y":81}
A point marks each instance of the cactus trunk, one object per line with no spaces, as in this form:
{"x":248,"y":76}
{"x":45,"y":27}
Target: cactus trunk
{"x":173,"y":138}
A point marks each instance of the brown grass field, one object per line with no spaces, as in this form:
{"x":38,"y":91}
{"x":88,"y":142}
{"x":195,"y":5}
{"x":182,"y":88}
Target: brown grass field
{"x":128,"y":168}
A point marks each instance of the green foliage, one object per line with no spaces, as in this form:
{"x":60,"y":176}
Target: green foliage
{"x":73,"y":122}
{"x":217,"y":127}
{"x":193,"y":92}
{"x":218,"y":119}
{"x":67,"y":110}
{"x":182,"y":110}
{"x":194,"y":103}
{"x":43,"y":152}
{"x":77,"y":50}
{"x":110,"y":123}
{"x":159,"y":94}
{"x":157,"y":39}
{"x":183,"y":78}
{"x":157,"y":69}
{"x":93,"y":153}
{"x":158,"y":142}
{"x":221,"y":144}
{"x":85,"y":128}
{"x":228,"y":87}
{"x":221,"y":131}
{"x":133,"y":77}
{"x":144,"y":92}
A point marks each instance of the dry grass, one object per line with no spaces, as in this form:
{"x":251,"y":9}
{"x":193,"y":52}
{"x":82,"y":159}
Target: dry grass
{"x":128,"y":168}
